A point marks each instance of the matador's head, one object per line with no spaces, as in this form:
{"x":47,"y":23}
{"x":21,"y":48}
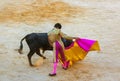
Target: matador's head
{"x":58,"y":25}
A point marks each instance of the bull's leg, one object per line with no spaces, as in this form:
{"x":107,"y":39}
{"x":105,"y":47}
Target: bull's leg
{"x":30,"y":54}
{"x":38,"y":53}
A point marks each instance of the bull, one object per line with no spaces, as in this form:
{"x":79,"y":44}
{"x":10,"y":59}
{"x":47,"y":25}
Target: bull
{"x":37,"y":41}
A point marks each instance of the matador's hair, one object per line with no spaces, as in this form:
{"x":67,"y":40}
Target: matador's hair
{"x":58,"y":25}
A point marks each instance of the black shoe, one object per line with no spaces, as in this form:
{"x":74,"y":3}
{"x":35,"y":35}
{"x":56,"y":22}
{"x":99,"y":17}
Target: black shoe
{"x":67,"y":65}
{"x":52,"y":74}
{"x":65,"y":68}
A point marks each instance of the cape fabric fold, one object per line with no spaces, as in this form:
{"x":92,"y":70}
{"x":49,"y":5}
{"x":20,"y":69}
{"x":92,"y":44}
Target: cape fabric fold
{"x":79,"y":49}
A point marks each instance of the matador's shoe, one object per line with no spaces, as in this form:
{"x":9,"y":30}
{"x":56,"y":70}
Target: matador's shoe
{"x":66,"y":65}
{"x":52,"y":74}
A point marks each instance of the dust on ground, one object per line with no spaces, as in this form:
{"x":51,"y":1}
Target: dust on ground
{"x":39,"y":11}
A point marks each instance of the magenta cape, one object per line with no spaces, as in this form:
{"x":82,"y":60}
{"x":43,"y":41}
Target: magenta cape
{"x":79,"y":49}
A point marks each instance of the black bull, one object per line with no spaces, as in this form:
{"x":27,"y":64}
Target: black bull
{"x":37,"y":41}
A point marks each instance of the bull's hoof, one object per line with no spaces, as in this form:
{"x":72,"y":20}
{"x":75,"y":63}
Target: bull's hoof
{"x":44,"y":57}
{"x":32,"y":65}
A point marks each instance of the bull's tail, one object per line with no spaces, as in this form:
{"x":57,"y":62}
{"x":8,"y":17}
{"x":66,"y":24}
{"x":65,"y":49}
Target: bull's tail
{"x":21,"y":46}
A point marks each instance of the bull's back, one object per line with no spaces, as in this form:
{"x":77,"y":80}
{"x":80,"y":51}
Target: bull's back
{"x":43,"y":37}
{"x":38,"y":40}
